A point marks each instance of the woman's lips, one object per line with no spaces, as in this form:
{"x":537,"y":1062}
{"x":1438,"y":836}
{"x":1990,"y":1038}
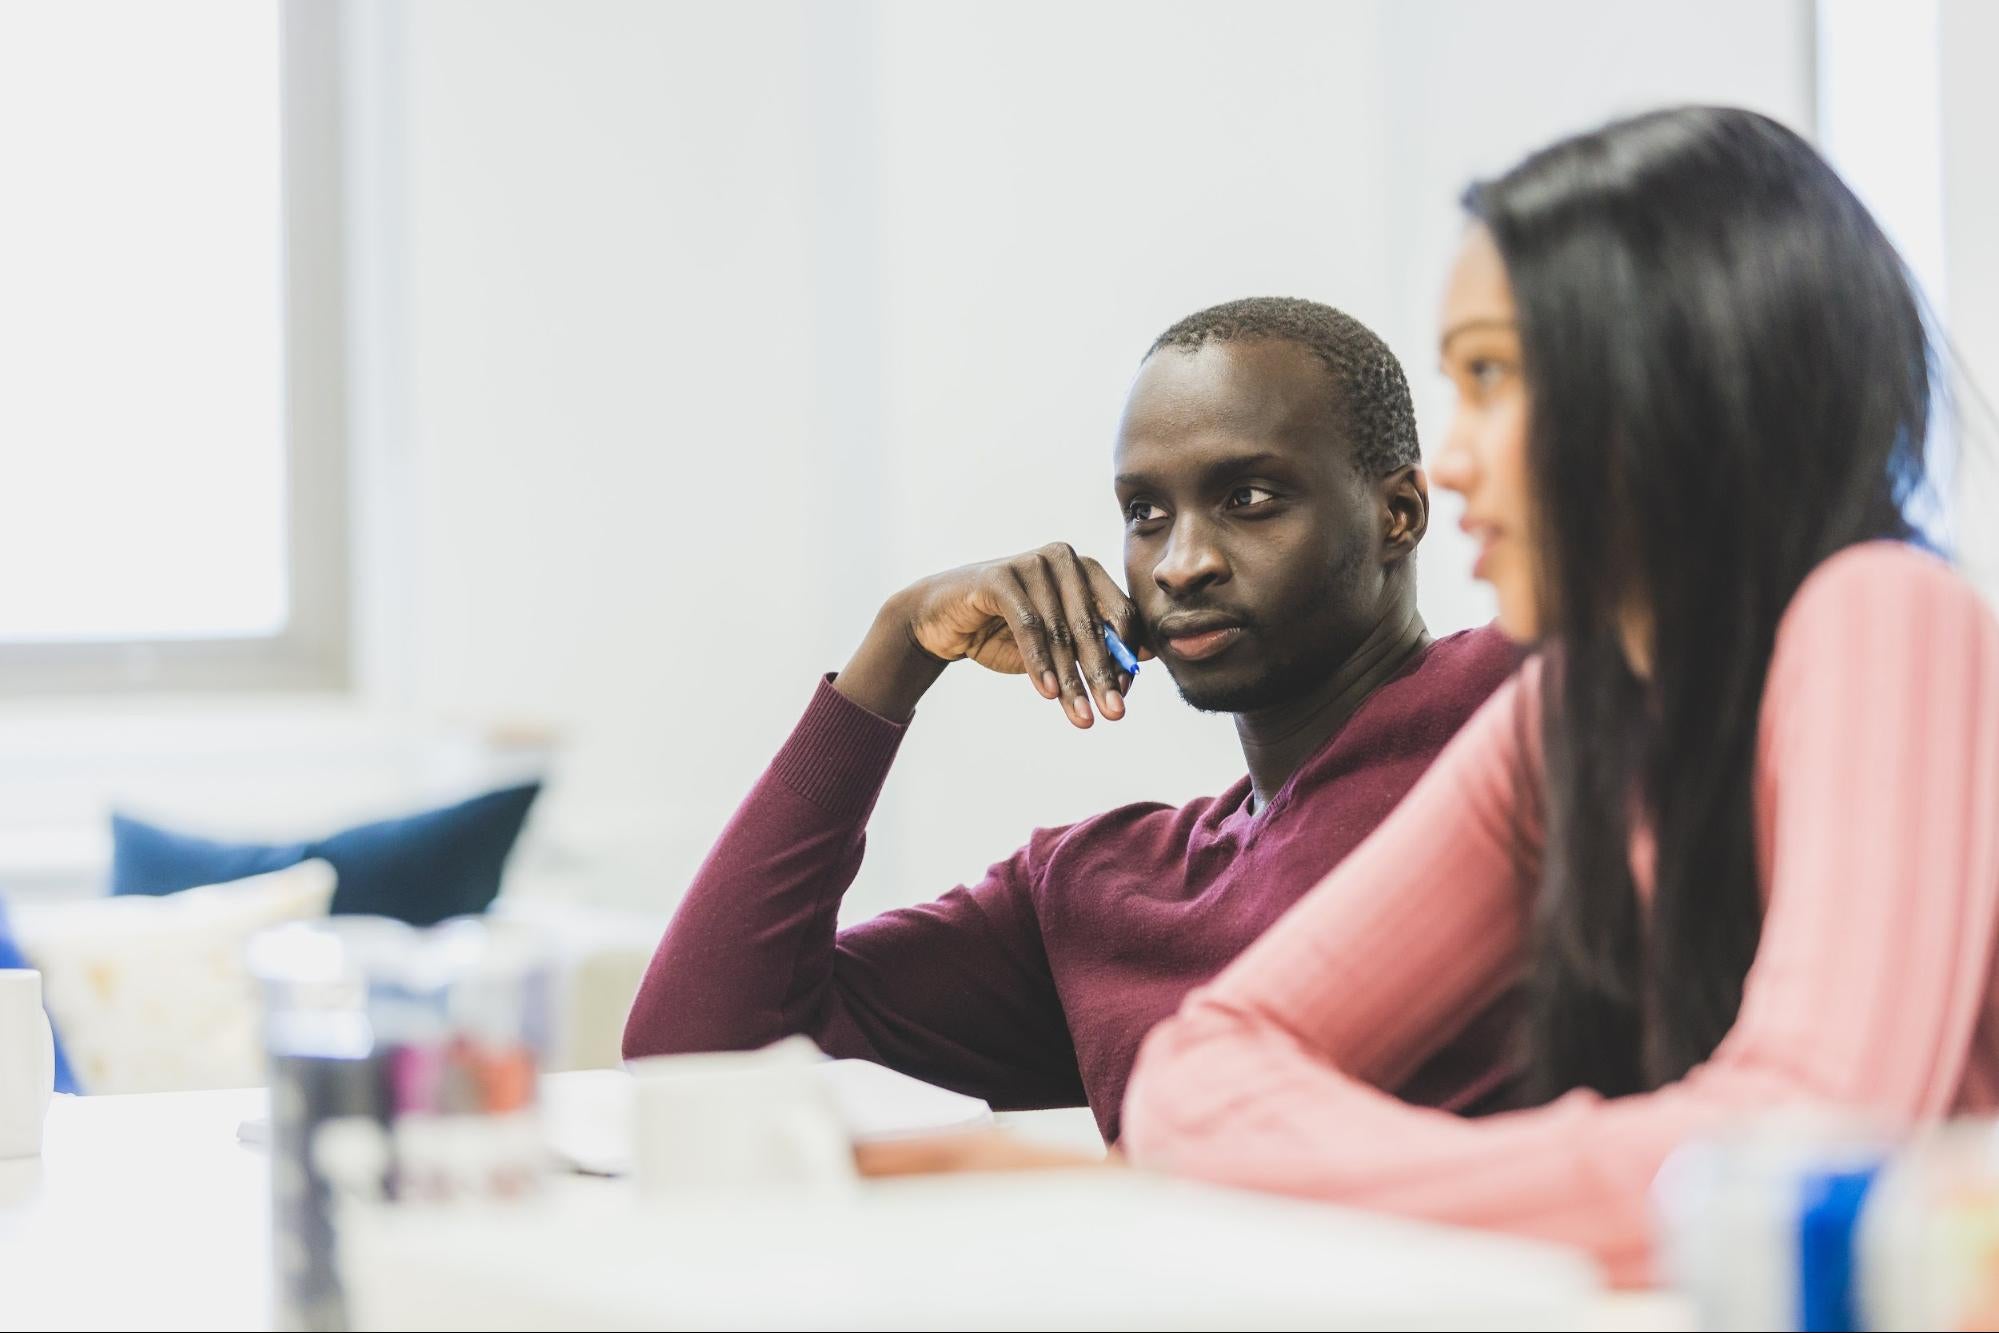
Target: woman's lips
{"x":1487,"y":538}
{"x":1199,"y":647}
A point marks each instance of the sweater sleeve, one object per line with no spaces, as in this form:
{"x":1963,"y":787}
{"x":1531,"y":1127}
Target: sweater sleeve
{"x":1878,"y":820}
{"x":957,"y":991}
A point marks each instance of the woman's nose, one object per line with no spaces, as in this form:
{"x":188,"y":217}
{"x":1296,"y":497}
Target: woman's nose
{"x":1456,"y":468}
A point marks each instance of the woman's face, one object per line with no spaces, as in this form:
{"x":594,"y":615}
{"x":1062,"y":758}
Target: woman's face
{"x":1484,"y":457}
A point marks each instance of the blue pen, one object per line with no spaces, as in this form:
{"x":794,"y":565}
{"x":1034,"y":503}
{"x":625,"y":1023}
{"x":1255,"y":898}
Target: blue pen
{"x":1123,"y":655}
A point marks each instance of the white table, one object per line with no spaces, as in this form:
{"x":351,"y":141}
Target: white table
{"x":146,"y":1212}
{"x":141,"y":1212}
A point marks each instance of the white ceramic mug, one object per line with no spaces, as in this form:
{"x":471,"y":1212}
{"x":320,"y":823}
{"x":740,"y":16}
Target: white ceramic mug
{"x":747,"y":1122}
{"x":27,"y":1062}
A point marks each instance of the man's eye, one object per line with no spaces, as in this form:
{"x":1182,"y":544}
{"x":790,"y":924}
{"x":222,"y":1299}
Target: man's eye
{"x":1143,"y":511}
{"x":1244,"y":496}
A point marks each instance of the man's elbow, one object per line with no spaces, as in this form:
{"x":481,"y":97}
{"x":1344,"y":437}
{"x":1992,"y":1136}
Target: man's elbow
{"x":639,"y":1039}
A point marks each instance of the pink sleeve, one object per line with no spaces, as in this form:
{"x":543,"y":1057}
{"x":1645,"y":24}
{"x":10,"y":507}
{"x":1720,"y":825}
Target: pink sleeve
{"x":1878,"y":808}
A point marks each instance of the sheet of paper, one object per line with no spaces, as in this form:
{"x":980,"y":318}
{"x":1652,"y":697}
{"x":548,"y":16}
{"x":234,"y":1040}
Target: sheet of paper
{"x":589,"y":1113}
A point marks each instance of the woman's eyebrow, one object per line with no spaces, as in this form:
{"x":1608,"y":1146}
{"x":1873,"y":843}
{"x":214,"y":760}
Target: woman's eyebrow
{"x":1473,"y":326}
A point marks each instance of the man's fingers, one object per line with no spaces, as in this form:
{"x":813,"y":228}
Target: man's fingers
{"x":1118,"y":609}
{"x":1086,"y":626}
{"x":1042,"y":590}
{"x":1029,"y":627}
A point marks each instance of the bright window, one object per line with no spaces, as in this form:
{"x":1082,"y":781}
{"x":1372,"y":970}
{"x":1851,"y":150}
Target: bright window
{"x":144,"y":322}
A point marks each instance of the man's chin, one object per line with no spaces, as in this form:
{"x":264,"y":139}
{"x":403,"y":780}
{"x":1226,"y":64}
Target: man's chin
{"x":1251,"y":688}
{"x":1231,"y":696}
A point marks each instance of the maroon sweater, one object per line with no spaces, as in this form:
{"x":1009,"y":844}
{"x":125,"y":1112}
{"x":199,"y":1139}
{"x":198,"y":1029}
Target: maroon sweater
{"x":1033,"y":987}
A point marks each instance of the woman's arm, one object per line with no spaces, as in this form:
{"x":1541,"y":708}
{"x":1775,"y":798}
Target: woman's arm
{"x":1878,"y":808}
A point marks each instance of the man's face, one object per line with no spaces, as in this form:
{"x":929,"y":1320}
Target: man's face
{"x":1253,"y":547}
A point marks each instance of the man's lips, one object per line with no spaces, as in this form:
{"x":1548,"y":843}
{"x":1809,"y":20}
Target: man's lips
{"x":1197,"y":647}
{"x":1195,"y":638}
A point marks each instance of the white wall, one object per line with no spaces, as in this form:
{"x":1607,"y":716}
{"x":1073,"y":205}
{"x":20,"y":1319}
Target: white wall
{"x":1968,"y":34}
{"x":689,"y":332}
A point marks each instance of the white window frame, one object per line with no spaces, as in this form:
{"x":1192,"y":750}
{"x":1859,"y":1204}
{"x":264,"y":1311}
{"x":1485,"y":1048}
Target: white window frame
{"x":312,"y":652}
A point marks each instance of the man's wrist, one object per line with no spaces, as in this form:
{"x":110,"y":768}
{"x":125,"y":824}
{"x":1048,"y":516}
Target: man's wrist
{"x":890,"y":672}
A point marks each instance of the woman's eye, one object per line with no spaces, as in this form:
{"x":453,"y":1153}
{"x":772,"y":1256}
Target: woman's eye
{"x":1143,"y":511}
{"x":1243,"y":496}
{"x":1485,"y":373}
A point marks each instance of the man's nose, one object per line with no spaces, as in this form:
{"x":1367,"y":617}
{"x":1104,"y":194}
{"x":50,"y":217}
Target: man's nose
{"x":1192,"y":561}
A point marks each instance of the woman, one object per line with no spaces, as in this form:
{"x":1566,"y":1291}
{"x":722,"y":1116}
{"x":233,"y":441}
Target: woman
{"x":1736,"y":828}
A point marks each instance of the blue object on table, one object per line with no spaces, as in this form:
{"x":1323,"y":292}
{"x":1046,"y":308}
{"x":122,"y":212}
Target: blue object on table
{"x":1828,"y":1217}
{"x":421,"y":869}
{"x":12,"y":957}
{"x":1123,"y":655}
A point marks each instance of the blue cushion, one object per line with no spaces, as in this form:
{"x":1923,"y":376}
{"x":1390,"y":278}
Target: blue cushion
{"x":420,"y":869}
{"x":11,"y":957}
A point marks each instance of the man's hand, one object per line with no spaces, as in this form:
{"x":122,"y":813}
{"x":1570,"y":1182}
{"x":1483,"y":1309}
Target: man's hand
{"x":1040,"y":614}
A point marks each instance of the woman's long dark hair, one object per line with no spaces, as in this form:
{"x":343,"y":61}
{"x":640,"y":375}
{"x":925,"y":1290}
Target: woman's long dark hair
{"x":1729,"y":381}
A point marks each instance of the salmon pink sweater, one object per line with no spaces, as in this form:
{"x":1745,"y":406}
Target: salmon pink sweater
{"x":1876,"y":792}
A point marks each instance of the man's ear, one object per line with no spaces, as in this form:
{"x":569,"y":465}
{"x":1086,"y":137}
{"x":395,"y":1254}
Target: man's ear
{"x":1405,"y":508}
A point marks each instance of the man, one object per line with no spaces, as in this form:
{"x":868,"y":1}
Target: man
{"x":1269,"y":475}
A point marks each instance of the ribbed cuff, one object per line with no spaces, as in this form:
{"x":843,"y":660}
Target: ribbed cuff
{"x":839,"y":754}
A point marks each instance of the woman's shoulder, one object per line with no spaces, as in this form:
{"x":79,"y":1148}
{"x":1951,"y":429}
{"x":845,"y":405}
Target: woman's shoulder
{"x":1876,"y":585}
{"x":1889,"y":620}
